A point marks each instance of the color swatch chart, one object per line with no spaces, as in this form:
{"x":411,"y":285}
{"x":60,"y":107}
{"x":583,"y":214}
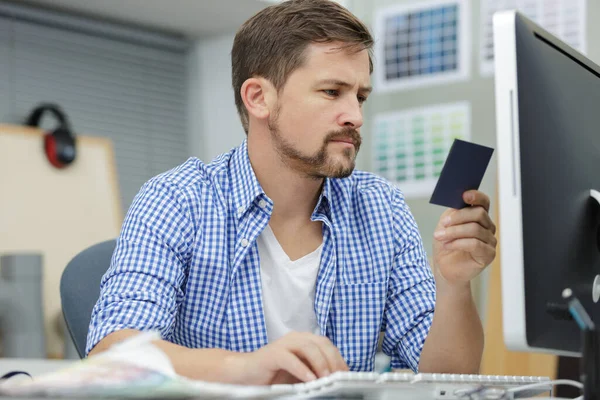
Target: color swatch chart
{"x":565,"y":19}
{"x":419,"y":43}
{"x":410,"y":146}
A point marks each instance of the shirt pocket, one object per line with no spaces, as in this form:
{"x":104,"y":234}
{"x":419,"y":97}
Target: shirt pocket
{"x":357,"y":312}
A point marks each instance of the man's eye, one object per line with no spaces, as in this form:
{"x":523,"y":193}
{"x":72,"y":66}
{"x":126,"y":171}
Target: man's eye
{"x":362,"y":99}
{"x":331,"y":92}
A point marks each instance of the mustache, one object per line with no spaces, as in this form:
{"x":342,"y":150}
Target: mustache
{"x":347,"y":133}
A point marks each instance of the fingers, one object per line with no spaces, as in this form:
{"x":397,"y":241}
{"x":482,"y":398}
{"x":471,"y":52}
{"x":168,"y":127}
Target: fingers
{"x":481,"y":252}
{"x":471,"y":230}
{"x":290,"y":362}
{"x":316,"y":353}
{"x":467,"y":215}
{"x":312,"y":355}
{"x":477,"y":198}
{"x":331,"y":353}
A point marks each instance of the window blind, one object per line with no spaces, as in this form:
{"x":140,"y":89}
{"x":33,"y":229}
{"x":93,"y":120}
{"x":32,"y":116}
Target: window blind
{"x":112,"y":83}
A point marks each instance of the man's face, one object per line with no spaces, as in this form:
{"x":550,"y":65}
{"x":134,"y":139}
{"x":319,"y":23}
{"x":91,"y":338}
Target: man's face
{"x":317,"y":120}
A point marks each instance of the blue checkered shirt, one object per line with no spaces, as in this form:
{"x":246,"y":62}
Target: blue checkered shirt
{"x":187,"y":264}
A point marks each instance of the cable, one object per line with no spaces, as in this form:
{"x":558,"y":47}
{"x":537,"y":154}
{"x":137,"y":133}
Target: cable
{"x":492,"y":393}
{"x":569,"y":382}
{"x":10,"y":374}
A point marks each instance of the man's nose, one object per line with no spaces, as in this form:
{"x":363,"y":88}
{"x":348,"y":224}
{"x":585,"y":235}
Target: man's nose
{"x":352,"y":117}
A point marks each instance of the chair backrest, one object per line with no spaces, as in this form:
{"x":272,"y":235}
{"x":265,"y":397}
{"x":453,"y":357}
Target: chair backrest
{"x":80,"y":289}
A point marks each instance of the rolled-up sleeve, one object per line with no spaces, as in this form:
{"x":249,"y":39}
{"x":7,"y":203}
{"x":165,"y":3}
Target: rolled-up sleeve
{"x":142,"y":288}
{"x":411,"y":292}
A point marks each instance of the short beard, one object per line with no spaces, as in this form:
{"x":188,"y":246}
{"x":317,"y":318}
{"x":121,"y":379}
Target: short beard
{"x":317,"y":166}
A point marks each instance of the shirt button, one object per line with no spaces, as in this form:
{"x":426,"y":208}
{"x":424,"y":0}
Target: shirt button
{"x":240,"y":210}
{"x":262,"y":204}
{"x":245,"y":242}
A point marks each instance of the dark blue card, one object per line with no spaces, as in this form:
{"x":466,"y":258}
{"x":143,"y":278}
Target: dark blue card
{"x":463,"y":170}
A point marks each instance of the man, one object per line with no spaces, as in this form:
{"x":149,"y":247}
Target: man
{"x":277,"y":262}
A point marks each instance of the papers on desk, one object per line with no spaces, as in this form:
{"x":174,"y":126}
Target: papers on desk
{"x":132,"y":369}
{"x":138,"y":369}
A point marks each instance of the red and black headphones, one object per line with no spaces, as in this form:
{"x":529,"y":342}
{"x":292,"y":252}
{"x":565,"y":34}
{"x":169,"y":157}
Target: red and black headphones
{"x":59,"y":144}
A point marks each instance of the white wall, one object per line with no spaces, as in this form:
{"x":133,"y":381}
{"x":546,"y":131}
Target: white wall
{"x":213,"y":123}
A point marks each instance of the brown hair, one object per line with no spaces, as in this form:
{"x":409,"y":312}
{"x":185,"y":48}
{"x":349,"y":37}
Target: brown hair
{"x":271,"y":44}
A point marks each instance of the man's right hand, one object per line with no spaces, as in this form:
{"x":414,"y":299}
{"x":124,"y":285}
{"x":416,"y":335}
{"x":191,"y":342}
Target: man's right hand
{"x":296,"y":357}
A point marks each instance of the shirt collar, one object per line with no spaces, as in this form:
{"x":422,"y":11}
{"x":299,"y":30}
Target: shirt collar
{"x":247,"y":189}
{"x":245,"y":185}
{"x":323,"y":207}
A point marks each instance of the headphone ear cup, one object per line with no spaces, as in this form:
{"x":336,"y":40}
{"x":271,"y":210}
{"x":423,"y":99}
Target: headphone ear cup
{"x":65,"y":146}
{"x":60,"y":144}
{"x":50,"y":150}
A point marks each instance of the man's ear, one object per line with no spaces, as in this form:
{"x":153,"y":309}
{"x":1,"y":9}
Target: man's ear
{"x":258,"y":97}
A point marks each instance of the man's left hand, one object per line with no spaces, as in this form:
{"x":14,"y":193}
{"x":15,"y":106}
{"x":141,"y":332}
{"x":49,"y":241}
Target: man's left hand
{"x":464,"y":242}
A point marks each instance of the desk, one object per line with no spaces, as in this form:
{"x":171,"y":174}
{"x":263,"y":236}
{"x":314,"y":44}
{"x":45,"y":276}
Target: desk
{"x":33,"y":366}
{"x":37,"y":367}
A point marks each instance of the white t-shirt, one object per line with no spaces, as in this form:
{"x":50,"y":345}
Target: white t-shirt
{"x":288,"y":288}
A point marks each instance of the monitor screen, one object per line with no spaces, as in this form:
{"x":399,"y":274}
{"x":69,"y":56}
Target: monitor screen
{"x":548,"y":139}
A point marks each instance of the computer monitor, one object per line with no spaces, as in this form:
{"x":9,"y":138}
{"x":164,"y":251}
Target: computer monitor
{"x":548,"y":148}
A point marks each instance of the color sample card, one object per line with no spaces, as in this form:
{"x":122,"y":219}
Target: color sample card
{"x":410,"y":146}
{"x":565,"y":19}
{"x":420,"y":44}
{"x":463,"y":171}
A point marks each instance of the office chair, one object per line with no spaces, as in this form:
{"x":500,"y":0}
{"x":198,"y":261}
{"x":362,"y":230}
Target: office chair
{"x":80,"y":289}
